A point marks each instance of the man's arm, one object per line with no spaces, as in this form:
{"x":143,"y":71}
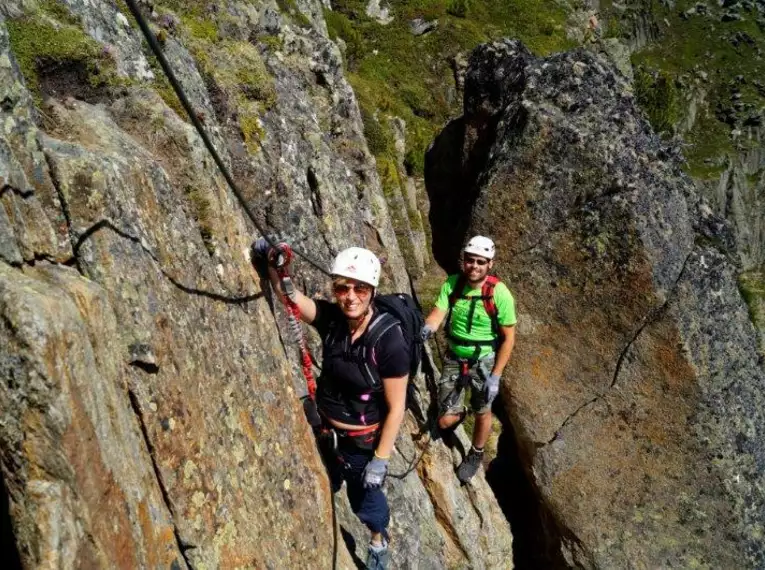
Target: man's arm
{"x":505,"y":350}
{"x":435,"y":318}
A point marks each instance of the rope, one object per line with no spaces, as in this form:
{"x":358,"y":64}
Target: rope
{"x":293,"y":318}
{"x":154,"y":45}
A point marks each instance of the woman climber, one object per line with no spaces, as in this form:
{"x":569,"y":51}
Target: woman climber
{"x":361,"y":393}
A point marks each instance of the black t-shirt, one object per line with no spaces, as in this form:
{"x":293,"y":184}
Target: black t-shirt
{"x":344,"y":391}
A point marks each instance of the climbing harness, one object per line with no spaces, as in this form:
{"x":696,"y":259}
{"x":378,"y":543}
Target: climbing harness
{"x":487,"y":297}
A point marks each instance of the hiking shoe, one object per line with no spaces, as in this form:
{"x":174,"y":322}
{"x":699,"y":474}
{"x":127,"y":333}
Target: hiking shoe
{"x":378,"y":557}
{"x":469,"y":465}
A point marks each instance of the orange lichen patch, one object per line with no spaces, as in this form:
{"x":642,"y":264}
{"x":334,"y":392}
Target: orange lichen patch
{"x":539,"y":363}
{"x":147,"y":530}
{"x":232,"y":557}
{"x":248,"y":428}
{"x":158,"y":541}
{"x":98,"y":491}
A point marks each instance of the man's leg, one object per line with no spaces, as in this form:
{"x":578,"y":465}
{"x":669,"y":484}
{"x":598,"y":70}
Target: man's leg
{"x":482,"y":409}
{"x":450,"y":408}
{"x":482,"y":429}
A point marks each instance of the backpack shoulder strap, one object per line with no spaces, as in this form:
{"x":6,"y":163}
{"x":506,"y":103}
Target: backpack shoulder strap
{"x":377,"y":328}
{"x":456,"y":293}
{"x":381,"y":324}
{"x":487,"y":293}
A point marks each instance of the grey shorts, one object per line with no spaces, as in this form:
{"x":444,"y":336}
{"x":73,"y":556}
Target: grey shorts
{"x":450,"y":398}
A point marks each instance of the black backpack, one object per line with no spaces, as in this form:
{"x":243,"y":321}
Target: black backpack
{"x":396,"y":309}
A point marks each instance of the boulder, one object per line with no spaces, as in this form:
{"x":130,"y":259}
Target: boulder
{"x":635,"y":389}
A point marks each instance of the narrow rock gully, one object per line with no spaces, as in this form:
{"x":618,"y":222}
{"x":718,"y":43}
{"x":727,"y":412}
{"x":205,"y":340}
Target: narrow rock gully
{"x":536,"y":535}
{"x":8,"y":548}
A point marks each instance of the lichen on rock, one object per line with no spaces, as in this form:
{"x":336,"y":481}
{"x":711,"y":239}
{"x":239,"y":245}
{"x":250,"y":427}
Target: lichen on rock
{"x":143,"y":368}
{"x":636,"y":387}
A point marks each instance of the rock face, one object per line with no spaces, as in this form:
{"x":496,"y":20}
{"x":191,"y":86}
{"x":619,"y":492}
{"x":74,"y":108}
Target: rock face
{"x":739,"y":195}
{"x":635,"y":389}
{"x":149,"y":406}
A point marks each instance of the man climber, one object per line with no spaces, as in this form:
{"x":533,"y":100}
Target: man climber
{"x":360,"y":397}
{"x":480,"y":328}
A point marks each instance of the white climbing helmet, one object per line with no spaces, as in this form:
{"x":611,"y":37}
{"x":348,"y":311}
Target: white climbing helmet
{"x":480,"y":245}
{"x":357,"y":263}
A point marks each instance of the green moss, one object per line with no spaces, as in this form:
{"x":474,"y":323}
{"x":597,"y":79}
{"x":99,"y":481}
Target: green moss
{"x":752,"y":287}
{"x":273,"y":43}
{"x":458,"y":8}
{"x":201,"y":28}
{"x":658,"y":95}
{"x":290,"y":8}
{"x":202,"y":212}
{"x":59,"y":12}
{"x":237,"y":68}
{"x":378,"y":138}
{"x":340,"y":26}
{"x":702,"y":44}
{"x":37,"y":43}
{"x":250,"y":126}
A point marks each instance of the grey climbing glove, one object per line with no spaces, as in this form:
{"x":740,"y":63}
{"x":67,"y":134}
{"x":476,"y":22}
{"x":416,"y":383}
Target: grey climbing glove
{"x":491,"y":387}
{"x":426,"y":332}
{"x":375,"y":472}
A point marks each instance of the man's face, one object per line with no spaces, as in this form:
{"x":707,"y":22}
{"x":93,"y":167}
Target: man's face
{"x":475,"y":267}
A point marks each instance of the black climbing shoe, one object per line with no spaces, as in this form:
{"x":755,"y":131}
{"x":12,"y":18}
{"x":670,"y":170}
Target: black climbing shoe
{"x":469,"y":465}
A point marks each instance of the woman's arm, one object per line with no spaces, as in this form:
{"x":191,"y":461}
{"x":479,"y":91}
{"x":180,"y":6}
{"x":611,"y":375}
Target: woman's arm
{"x":305,"y":304}
{"x":395,"y":396}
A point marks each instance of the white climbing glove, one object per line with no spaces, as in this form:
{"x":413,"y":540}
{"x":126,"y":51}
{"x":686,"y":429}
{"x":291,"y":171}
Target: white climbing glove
{"x":375,"y":472}
{"x":426,"y":332}
{"x":491,"y":387}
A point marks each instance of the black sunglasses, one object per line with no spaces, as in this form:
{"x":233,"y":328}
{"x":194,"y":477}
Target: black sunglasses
{"x":475,"y":261}
{"x":361,"y":289}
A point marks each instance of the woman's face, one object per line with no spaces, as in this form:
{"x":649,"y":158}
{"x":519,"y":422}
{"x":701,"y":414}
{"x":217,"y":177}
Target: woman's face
{"x":352,"y":296}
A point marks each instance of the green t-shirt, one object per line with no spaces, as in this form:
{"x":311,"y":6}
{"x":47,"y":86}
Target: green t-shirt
{"x":481,"y":327}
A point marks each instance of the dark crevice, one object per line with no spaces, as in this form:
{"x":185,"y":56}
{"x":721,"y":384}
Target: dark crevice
{"x":316,"y":201}
{"x":537,"y":536}
{"x":183,"y":546}
{"x":53,"y":171}
{"x":148,"y":367}
{"x":8,"y":547}
{"x":8,"y":189}
{"x":108,"y":225}
{"x":38,"y":257}
{"x":350,"y":544}
{"x":76,"y":78}
{"x":653,"y":316}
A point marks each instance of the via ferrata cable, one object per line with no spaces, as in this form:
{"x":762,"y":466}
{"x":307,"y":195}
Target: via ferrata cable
{"x":157,"y":50}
